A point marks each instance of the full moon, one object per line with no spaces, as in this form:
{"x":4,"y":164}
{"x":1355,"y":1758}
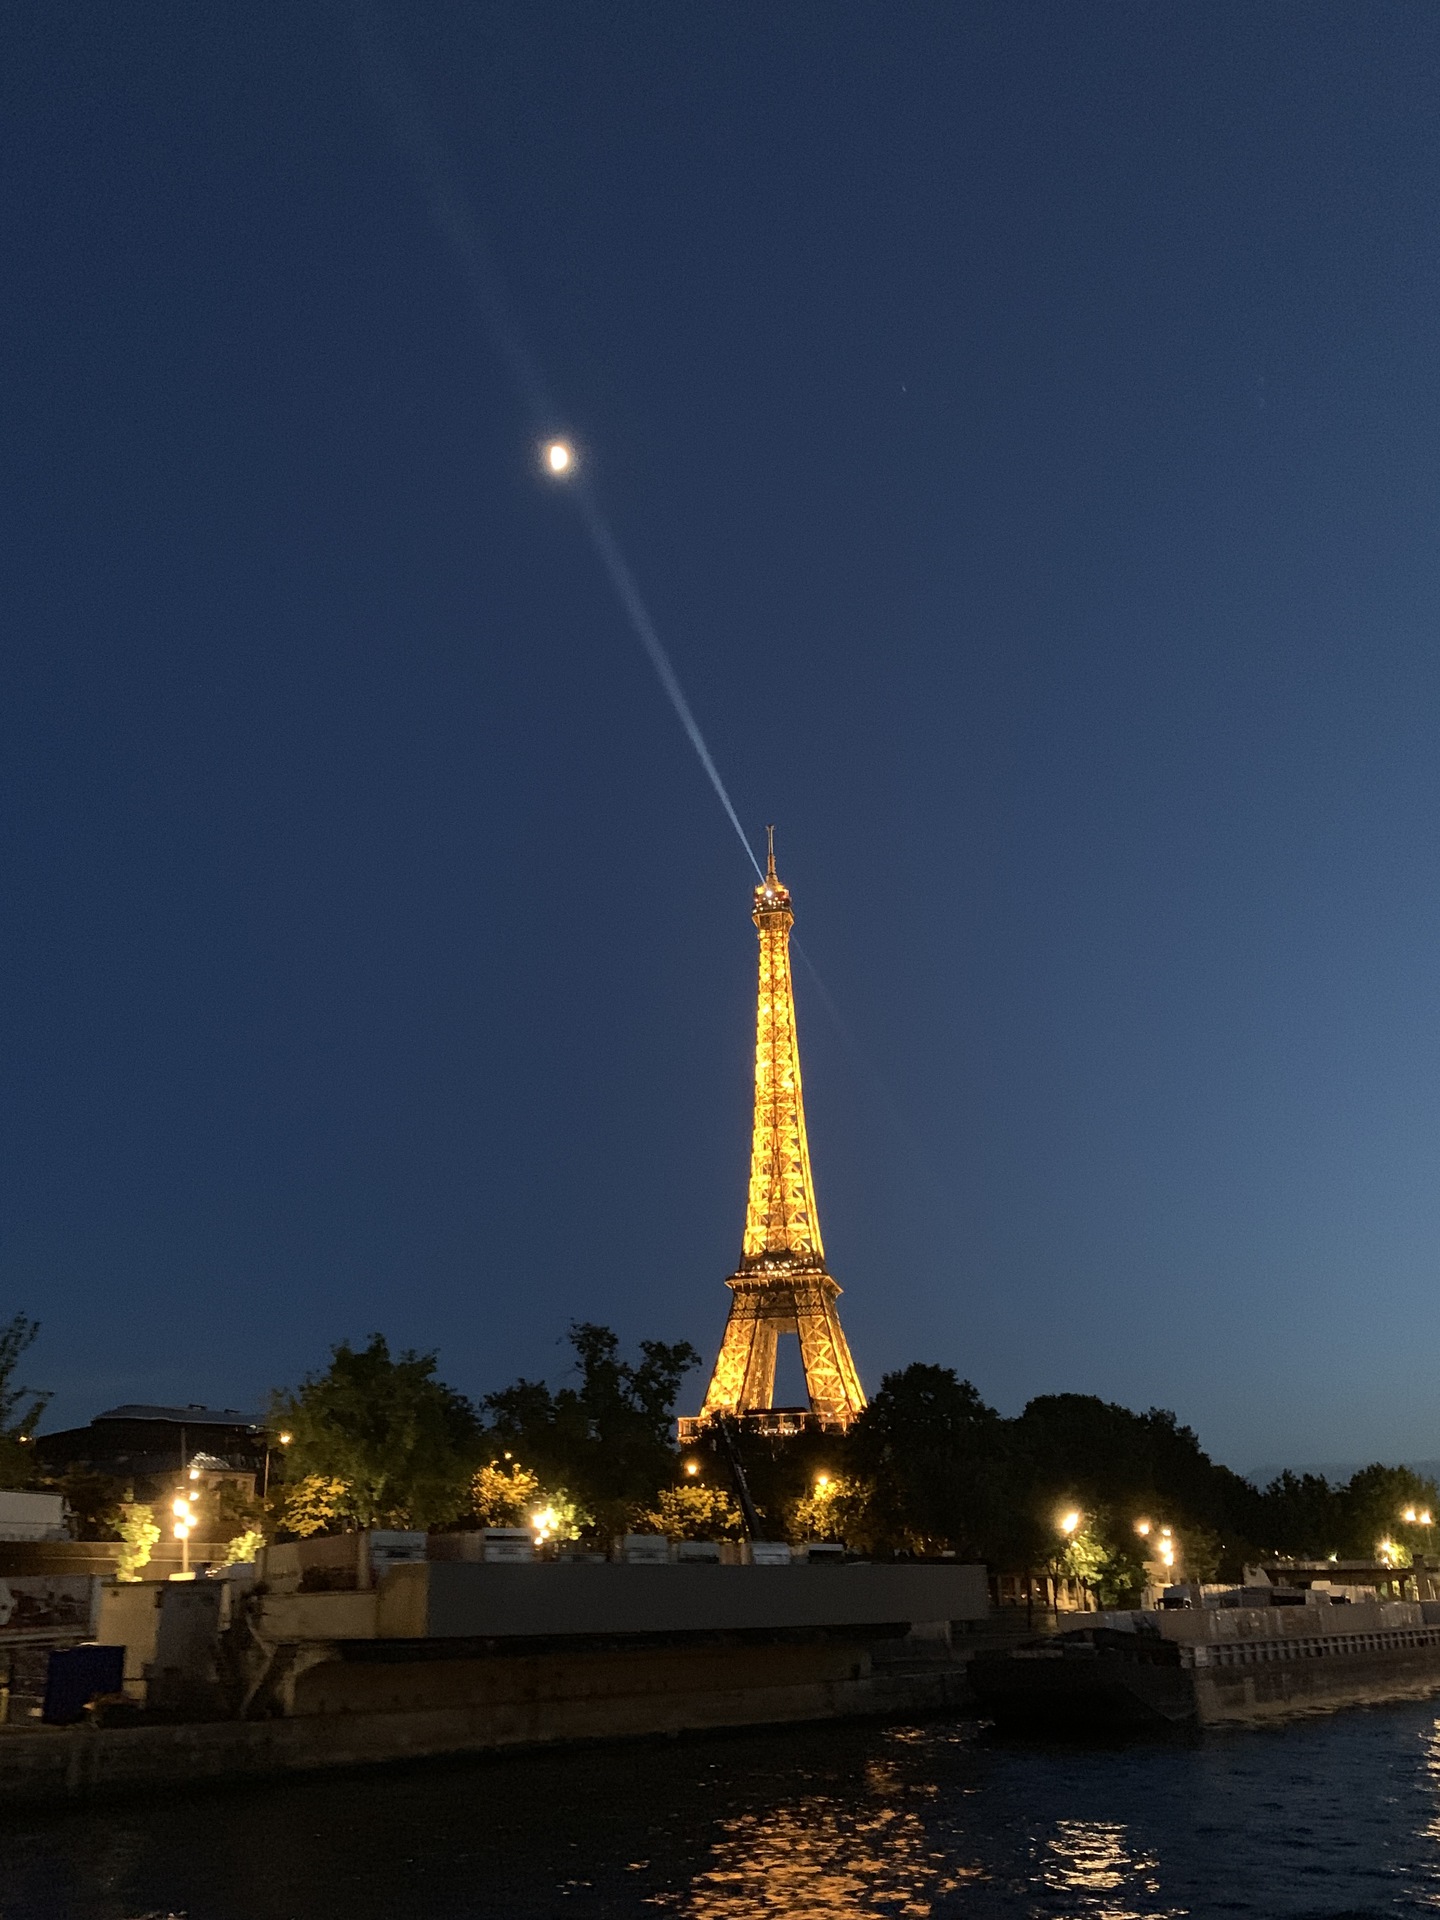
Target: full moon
{"x":559,"y":457}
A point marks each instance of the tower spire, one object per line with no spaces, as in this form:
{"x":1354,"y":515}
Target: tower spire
{"x":782,"y":1285}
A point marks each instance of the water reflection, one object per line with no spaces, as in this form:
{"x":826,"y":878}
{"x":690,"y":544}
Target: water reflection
{"x":1335,"y":1815}
{"x":1093,"y":1857}
{"x":1429,"y":1830}
{"x":827,"y":1856}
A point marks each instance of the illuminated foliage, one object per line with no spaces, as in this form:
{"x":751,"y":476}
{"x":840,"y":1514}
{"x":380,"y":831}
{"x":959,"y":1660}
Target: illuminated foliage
{"x":402,"y":1445}
{"x":607,"y":1437}
{"x":833,"y":1509}
{"x":314,"y":1504}
{"x":694,"y":1513}
{"x":243,"y":1548}
{"x":139,"y":1533}
{"x":505,"y":1496}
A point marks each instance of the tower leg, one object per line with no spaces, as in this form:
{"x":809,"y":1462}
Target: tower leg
{"x":759,"y":1387}
{"x":830,"y":1377}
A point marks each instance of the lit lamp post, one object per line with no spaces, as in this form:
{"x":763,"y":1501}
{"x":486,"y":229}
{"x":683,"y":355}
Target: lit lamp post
{"x":1069,"y":1525}
{"x":183,"y":1508}
{"x":284,"y":1440}
{"x":544,"y":1525}
{"x":1419,"y":1517}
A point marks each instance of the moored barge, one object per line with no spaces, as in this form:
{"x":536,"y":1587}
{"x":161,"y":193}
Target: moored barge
{"x":1213,"y":1665}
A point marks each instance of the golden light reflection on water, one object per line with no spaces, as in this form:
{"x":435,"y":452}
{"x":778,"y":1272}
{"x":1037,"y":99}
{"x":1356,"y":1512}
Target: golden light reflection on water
{"x":828,"y":1858}
{"x":1093,"y":1857}
{"x":847,"y":1856}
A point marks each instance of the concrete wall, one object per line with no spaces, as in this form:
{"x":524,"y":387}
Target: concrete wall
{"x":461,"y":1599}
{"x":1218,"y":1625}
{"x":59,"y":1764}
{"x":627,"y":1680}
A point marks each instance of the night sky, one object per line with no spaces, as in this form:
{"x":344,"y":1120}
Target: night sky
{"x":1023,"y":423}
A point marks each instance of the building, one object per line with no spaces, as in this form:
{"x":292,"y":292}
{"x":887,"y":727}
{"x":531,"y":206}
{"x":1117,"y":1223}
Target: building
{"x":782,"y":1285}
{"x":145,"y":1448}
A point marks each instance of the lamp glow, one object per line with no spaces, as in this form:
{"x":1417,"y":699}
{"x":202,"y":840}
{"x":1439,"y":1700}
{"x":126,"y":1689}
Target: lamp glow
{"x":559,"y":457}
{"x":1069,"y":1522}
{"x":544,"y":1524}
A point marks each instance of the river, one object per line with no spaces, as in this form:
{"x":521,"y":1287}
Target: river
{"x":1334,"y":1816}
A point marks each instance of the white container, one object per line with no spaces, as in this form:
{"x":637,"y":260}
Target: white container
{"x":386,"y":1548}
{"x":768,"y":1553}
{"x":32,"y":1516}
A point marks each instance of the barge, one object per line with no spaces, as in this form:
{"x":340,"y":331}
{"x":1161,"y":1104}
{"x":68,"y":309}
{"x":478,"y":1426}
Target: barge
{"x":1213,"y":1665}
{"x":339,"y":1654}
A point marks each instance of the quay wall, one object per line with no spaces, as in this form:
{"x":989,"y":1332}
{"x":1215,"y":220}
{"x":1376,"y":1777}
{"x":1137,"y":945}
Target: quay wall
{"x":359,"y":1714}
{"x":1282,"y":1689}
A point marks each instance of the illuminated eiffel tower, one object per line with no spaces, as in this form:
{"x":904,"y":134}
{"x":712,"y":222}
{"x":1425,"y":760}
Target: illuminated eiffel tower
{"x":782,"y":1285}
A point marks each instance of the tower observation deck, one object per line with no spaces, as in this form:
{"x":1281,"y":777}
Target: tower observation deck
{"x":782,"y":1285}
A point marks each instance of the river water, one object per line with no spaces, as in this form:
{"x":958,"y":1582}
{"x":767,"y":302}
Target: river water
{"x":1334,"y":1816}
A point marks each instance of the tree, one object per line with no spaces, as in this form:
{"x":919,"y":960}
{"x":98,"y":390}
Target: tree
{"x":607,"y":1438}
{"x":139,"y":1532}
{"x":92,"y":1501}
{"x":1373,"y":1507}
{"x":18,"y":1419}
{"x":401,"y":1444}
{"x":932,"y":1460}
{"x":505,"y":1496}
{"x":314,"y":1504}
{"x":696,"y":1513}
{"x":1300,"y":1515}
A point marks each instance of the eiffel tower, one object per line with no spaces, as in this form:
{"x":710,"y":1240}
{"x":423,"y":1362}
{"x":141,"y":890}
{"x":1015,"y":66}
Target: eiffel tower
{"x":782,"y":1285}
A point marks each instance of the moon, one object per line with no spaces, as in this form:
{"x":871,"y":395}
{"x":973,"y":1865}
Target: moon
{"x":559,"y":456}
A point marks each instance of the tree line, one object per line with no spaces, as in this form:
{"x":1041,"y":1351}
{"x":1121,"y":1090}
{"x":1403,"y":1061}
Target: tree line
{"x":377,"y":1439}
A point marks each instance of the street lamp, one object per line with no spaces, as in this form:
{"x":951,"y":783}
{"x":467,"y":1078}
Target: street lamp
{"x":183,"y":1508}
{"x":1069,"y":1522}
{"x":284,"y":1440}
{"x":545,"y":1524}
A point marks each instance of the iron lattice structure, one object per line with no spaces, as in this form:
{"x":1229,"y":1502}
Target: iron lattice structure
{"x":782,"y":1285}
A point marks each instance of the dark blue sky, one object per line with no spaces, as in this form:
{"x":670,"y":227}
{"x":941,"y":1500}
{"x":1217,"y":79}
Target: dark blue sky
{"x":1024,"y":423}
